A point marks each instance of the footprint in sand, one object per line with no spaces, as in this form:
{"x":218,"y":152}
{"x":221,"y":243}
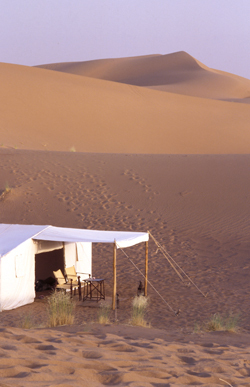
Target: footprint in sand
{"x":91,"y":355}
{"x":184,"y":193}
{"x":110,"y":378}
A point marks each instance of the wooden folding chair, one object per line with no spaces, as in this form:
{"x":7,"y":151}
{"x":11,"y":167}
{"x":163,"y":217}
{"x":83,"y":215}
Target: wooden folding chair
{"x":62,"y":284}
{"x":75,"y":279}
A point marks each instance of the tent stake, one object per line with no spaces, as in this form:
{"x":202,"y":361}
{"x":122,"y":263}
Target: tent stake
{"x":114,"y":275}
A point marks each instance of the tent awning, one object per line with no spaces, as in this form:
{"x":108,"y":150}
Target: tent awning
{"x":12,"y":235}
{"x":122,"y":238}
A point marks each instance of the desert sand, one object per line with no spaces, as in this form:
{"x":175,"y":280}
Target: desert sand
{"x":97,"y":356}
{"x":97,"y":115}
{"x":172,"y":162}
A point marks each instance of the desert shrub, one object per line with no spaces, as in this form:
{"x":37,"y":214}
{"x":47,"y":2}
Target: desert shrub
{"x":227,"y":323}
{"x":5,"y":192}
{"x":139,"y":307}
{"x":215,"y":323}
{"x":232,"y":322}
{"x":7,"y":188}
{"x":104,"y":314}
{"x":61,"y":309}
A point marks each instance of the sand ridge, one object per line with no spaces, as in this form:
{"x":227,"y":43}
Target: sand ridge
{"x":68,"y":111}
{"x":177,"y":72}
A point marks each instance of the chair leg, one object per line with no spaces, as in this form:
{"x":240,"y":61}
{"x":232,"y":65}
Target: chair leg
{"x":71,"y":288}
{"x":79,"y":288}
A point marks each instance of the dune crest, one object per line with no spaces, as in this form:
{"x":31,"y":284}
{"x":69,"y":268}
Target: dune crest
{"x":177,"y":73}
{"x":51,"y":110}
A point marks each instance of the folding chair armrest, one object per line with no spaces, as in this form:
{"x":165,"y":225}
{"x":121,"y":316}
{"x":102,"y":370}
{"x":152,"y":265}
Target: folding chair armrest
{"x":61,"y":278}
{"x":79,"y":272}
{"x":71,"y":275}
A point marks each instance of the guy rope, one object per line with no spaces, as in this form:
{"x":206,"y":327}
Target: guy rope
{"x":174,"y":264}
{"x":163,"y":299}
{"x":179,"y":271}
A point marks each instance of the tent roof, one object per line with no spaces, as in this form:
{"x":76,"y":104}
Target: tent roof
{"x":11,"y":235}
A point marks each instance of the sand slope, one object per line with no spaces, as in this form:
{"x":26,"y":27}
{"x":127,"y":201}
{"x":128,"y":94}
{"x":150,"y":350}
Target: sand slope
{"x":197,"y":207}
{"x":93,"y":115}
{"x":178,"y":73}
{"x":96,"y":357}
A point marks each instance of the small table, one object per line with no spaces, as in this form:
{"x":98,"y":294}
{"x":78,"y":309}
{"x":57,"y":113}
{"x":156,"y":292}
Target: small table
{"x":94,"y":289}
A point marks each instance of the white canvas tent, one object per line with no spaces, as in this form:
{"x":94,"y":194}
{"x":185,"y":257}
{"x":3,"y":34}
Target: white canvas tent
{"x":20,"y":245}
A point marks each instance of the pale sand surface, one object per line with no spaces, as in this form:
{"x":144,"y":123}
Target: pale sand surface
{"x":197,"y":207}
{"x":95,"y":356}
{"x":170,"y":154}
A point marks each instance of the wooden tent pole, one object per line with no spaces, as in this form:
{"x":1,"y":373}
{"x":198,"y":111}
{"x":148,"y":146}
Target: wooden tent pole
{"x":114,"y":277}
{"x":64,"y":261}
{"x":146,"y":270}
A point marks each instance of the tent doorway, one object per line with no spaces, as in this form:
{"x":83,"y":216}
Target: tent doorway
{"x":47,"y":262}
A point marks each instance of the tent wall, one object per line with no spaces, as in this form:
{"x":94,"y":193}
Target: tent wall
{"x":18,"y":276}
{"x":80,"y":256}
{"x":70,"y":254}
{"x":84,"y":259}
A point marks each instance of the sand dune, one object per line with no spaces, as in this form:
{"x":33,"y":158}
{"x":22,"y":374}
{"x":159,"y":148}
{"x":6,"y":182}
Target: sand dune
{"x":177,"y":73}
{"x":194,"y":201}
{"x":93,"y":115}
{"x":197,"y":207}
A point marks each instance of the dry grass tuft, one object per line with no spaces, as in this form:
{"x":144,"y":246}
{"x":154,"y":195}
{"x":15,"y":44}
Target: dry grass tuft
{"x":217,"y":322}
{"x":7,"y":188}
{"x":139,"y":307}
{"x":104,"y":314}
{"x":61,"y":309}
{"x":5,"y":192}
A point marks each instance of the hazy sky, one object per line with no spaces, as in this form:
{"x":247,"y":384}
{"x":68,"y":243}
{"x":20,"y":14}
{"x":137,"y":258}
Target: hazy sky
{"x":216,"y":32}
